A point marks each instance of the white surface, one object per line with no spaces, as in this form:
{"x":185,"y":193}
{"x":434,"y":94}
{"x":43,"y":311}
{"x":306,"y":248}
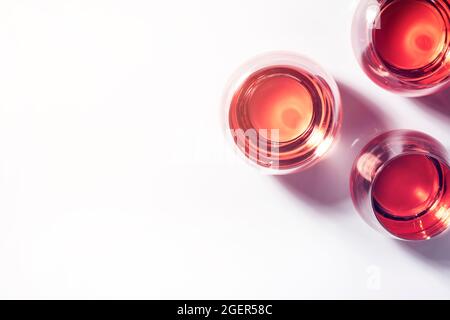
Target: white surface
{"x":115,"y":181}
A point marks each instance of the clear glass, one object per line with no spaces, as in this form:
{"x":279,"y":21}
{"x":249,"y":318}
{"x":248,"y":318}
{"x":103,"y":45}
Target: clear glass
{"x":282,"y":112}
{"x":403,"y":45}
{"x":399,"y":185}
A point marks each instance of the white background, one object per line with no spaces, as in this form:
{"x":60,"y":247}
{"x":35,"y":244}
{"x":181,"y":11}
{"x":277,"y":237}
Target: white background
{"x":116,"y":182}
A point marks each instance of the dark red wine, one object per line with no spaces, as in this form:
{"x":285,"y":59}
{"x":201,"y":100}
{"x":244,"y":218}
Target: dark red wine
{"x":400,"y":181}
{"x":411,"y":35}
{"x":410,"y":196}
{"x":403,"y":45}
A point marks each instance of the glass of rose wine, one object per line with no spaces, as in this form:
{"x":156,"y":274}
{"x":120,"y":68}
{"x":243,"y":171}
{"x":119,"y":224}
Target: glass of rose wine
{"x":283,"y":112}
{"x":403,"y":45}
{"x":400,"y":185}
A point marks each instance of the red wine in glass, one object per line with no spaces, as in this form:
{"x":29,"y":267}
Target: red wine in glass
{"x":400,"y":184}
{"x":403,"y":45}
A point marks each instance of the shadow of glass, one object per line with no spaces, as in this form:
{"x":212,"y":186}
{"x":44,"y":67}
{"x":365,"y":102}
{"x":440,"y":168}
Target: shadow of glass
{"x":327,"y":182}
{"x":438,"y":103}
{"x":436,"y":250}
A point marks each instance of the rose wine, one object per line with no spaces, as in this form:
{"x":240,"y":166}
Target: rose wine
{"x":410,"y":194}
{"x":400,"y":184}
{"x":283,"y":116}
{"x":403,"y":45}
{"x":280,"y":99}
